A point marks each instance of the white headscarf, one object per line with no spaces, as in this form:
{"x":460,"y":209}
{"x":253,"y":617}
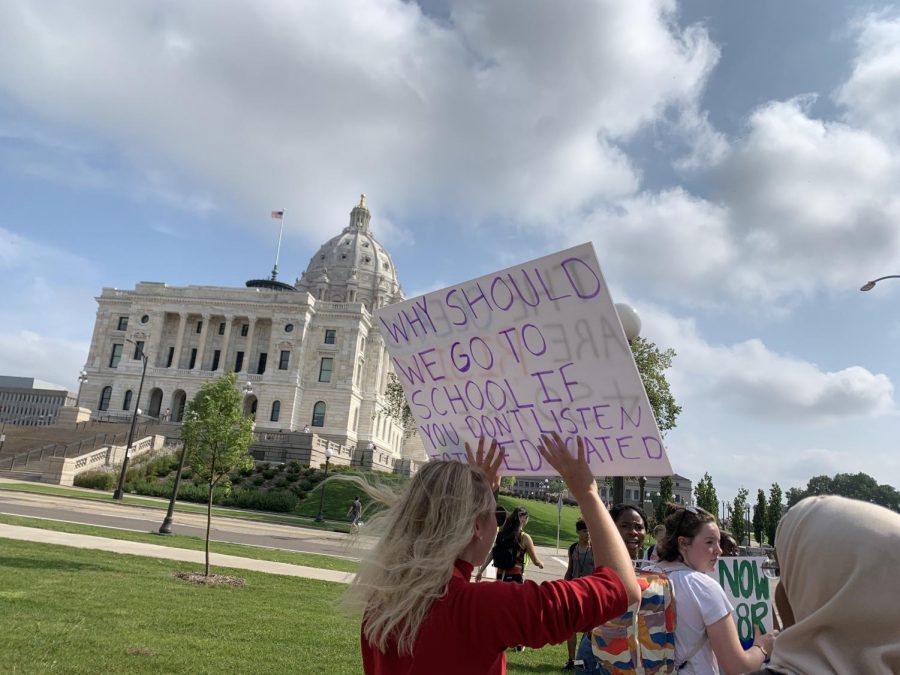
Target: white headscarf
{"x":840,"y":568}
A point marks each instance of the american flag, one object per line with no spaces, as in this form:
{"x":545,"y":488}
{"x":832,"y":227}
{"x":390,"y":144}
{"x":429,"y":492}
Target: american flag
{"x":278,"y":214}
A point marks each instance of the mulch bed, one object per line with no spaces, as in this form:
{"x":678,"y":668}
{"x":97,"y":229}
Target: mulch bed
{"x":211,"y":580}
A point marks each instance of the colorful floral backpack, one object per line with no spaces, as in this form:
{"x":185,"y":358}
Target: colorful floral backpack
{"x":643,"y":642}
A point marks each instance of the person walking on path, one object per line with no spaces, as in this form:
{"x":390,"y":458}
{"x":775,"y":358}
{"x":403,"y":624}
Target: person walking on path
{"x":353,"y":513}
{"x":421,"y":614}
{"x":581,"y":563}
{"x":511,"y":547}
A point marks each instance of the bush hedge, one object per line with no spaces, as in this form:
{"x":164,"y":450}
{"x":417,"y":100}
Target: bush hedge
{"x":97,"y":480}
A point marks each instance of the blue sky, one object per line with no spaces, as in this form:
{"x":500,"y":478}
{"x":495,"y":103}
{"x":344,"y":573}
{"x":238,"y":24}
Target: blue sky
{"x":734,"y":164}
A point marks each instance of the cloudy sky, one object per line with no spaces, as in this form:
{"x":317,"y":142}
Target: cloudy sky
{"x":735,"y":165}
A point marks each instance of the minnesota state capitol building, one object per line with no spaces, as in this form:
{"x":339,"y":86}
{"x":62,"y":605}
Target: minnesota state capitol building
{"x":309,"y":359}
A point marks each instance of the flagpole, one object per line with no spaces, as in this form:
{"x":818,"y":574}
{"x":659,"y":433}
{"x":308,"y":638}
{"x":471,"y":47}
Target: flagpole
{"x":278,"y":249}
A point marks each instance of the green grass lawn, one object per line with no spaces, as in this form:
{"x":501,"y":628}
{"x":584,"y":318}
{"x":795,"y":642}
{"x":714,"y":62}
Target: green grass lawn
{"x":187,"y":542}
{"x":79,"y":611}
{"x":185,"y":507}
{"x":542,"y":520}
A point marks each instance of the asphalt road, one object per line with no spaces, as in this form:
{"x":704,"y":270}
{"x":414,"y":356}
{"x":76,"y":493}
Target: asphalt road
{"x":233,"y":530}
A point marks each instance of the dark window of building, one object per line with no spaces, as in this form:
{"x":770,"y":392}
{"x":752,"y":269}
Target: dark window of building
{"x":145,"y":318}
{"x":288,"y":328}
{"x":123,"y":323}
{"x":318,"y":418}
{"x":116,"y":356}
{"x":199,"y":326}
{"x":138,"y":349}
{"x":325,"y":369}
{"x":276,"y":411}
{"x":216,"y":355}
{"x":262,"y":363}
{"x":238,"y":362}
{"x":284,"y":360}
{"x":105,"y":395}
{"x":126,"y":404}
{"x":329,"y":336}
{"x":245,"y":329}
{"x":193,"y":358}
{"x":170,"y":357}
{"x":222,"y":328}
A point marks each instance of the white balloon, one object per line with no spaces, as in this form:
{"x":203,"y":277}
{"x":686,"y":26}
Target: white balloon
{"x":631,"y":320}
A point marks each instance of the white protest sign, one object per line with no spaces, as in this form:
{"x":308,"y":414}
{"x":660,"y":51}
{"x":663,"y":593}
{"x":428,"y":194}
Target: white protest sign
{"x":747,"y":587}
{"x":526,"y":351}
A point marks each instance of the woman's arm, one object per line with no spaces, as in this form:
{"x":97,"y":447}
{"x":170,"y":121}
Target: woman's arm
{"x":606,"y":542}
{"x":726,"y":645}
{"x":530,"y":550}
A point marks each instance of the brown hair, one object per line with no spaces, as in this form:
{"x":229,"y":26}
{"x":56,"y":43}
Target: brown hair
{"x":681,"y":521}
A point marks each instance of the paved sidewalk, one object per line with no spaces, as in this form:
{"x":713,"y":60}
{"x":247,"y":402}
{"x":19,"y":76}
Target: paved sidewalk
{"x":167,"y":552}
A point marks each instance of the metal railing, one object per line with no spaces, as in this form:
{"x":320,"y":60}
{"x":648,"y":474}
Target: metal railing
{"x":73,"y":449}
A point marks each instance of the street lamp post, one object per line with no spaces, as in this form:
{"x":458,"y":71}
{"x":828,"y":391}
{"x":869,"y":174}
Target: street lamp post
{"x":642,"y":483}
{"x":869,"y":285}
{"x":631,"y":324}
{"x":118,"y":493}
{"x":748,"y":525}
{"x":320,"y":518}
{"x":166,"y":527}
{"x":82,"y":378}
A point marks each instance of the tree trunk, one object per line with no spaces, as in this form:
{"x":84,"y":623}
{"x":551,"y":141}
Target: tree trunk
{"x":208,"y":525}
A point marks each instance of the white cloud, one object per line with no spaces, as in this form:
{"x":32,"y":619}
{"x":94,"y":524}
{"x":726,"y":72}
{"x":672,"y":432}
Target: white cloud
{"x":872,"y":93}
{"x":749,"y":379}
{"x":489,"y":112}
{"x":46,"y":319}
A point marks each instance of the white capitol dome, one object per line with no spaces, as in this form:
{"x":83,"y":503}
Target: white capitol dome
{"x":353,"y":266}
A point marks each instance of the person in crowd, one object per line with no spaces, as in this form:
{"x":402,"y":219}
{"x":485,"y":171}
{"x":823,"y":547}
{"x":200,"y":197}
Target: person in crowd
{"x":421,"y":614}
{"x":513,"y":533}
{"x":728,"y":544}
{"x":631,"y":521}
{"x":837,"y":595}
{"x":652,"y":552}
{"x":623,"y":645}
{"x":581,"y":564}
{"x":706,"y":637}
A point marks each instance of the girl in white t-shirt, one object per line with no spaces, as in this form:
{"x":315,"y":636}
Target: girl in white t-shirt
{"x":706,"y":638}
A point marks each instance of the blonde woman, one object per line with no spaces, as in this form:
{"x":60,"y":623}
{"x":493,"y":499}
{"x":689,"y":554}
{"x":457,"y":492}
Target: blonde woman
{"x":421,"y":614}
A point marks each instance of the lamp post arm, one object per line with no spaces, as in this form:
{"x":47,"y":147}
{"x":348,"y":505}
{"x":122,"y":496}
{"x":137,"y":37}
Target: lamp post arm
{"x":869,"y":285}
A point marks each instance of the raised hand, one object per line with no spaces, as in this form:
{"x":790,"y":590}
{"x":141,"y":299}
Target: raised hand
{"x":574,"y":470}
{"x":489,"y":463}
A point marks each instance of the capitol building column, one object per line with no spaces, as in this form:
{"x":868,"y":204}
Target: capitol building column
{"x":223,"y":359}
{"x":248,"y":355}
{"x":201,"y":347}
{"x":182,"y":323}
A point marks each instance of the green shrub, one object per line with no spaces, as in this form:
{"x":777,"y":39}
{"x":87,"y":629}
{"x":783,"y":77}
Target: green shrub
{"x":97,"y":480}
{"x":259,"y":480}
{"x":281,"y":501}
{"x":269,"y":474}
{"x":265,"y":466}
{"x":282,"y":483}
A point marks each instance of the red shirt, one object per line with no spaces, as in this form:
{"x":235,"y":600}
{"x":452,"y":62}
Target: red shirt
{"x":469,"y":629}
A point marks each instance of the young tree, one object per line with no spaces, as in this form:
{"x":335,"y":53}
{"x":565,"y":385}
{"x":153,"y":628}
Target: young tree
{"x":759,"y":516}
{"x":652,"y":363}
{"x":665,"y":496}
{"x":217,"y":435}
{"x":705,"y":495}
{"x":738,"y":524}
{"x":773,"y":512}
